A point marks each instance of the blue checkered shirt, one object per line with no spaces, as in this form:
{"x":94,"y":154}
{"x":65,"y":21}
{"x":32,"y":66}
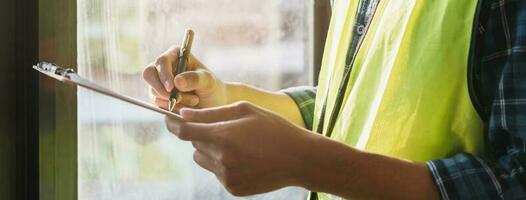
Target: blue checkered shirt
{"x":498,"y":81}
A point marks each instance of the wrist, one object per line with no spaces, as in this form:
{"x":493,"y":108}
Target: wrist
{"x":232,"y":91}
{"x":327,"y":163}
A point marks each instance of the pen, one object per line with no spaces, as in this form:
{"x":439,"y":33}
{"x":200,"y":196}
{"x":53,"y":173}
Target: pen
{"x":184,"y":54}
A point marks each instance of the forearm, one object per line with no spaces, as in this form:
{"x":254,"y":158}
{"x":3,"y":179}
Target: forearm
{"x":341,"y":170}
{"x":275,"y":101}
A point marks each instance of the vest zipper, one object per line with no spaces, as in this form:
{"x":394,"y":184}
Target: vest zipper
{"x":354,"y":47}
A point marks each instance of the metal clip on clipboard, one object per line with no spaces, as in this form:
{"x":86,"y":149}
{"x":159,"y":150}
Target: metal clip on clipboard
{"x":70,"y":76}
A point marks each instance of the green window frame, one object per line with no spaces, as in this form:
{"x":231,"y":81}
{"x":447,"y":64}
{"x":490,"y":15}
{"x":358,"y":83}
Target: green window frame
{"x":57,"y":36}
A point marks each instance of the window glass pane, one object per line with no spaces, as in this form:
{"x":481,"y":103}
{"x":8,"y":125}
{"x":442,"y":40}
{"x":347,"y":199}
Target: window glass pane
{"x":125,"y":152}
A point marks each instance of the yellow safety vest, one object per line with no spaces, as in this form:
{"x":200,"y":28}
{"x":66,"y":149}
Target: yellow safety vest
{"x":407,"y":95}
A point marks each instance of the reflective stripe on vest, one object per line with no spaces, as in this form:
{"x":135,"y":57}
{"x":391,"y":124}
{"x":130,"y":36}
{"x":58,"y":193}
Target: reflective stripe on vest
{"x":407,"y":95}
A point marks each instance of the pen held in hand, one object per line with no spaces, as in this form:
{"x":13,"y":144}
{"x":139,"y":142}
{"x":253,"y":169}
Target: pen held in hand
{"x":182,"y":61}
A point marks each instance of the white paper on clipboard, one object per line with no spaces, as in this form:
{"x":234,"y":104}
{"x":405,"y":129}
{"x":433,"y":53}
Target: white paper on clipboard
{"x":71,"y":77}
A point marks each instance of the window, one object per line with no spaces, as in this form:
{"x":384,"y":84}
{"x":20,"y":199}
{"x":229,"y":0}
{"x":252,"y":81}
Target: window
{"x":125,"y":152}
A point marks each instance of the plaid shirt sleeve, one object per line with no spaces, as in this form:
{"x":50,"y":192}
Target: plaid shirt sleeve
{"x":304,"y":97}
{"x":501,"y":85}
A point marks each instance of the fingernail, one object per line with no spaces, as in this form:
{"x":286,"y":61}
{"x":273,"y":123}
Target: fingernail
{"x":180,"y":82}
{"x":167,"y":85}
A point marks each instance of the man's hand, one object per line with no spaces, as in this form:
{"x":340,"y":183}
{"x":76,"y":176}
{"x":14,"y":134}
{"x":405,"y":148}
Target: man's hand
{"x":251,"y":150}
{"x":199,"y":87}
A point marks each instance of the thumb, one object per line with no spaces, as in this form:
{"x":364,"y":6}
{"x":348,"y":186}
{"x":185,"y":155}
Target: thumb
{"x":200,"y":81}
{"x":217,"y":114}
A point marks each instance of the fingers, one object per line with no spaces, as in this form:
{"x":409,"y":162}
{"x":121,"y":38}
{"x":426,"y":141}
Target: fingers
{"x":189,"y":131}
{"x":163,"y":103}
{"x":217,"y":114}
{"x":186,"y":99}
{"x":151,"y":76}
{"x":173,"y":54}
{"x":177,"y":108}
{"x":209,"y":149}
{"x":201,"y":81}
{"x":159,"y":75}
{"x":204,"y":161}
{"x":166,"y":76}
{"x":154,"y":93}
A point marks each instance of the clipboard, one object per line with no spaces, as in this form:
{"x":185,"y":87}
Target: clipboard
{"x":71,"y":77}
